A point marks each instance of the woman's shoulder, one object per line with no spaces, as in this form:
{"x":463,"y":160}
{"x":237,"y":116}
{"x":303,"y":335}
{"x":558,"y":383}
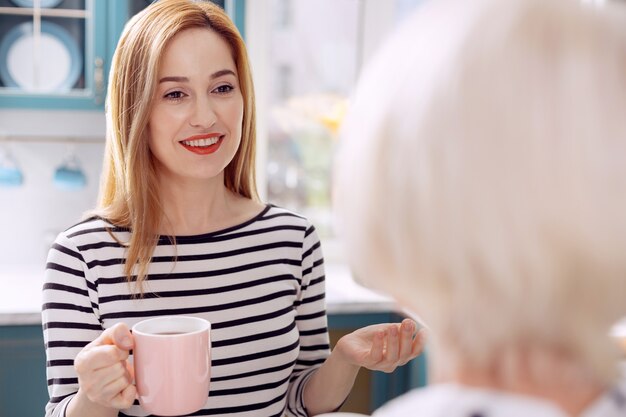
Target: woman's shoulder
{"x":89,"y":230}
{"x":277,"y":215}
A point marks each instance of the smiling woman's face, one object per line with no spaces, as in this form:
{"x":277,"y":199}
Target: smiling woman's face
{"x":196,"y":118}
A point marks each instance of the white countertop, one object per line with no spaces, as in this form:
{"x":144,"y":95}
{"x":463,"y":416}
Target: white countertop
{"x":21,"y":296}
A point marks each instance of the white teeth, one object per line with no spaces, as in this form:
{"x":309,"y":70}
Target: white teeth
{"x":201,"y":142}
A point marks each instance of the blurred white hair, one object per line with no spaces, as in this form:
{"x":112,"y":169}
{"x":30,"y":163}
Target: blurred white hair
{"x":481,"y":176}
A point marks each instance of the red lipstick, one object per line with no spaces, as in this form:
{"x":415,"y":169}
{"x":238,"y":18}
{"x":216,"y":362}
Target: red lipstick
{"x":203,"y":144}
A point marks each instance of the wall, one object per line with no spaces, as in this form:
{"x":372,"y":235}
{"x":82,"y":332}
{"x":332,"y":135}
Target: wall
{"x":32,"y":214}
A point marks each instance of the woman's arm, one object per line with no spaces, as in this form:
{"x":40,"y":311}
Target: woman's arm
{"x":381,"y":347}
{"x":311,"y":322}
{"x":71,"y":330}
{"x":321,"y":382}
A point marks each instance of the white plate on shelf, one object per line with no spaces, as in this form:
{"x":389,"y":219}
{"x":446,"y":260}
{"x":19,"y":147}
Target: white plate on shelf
{"x":46,"y":4}
{"x":59,"y":60}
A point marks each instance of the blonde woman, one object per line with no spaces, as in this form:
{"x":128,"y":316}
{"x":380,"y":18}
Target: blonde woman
{"x":482,"y":182}
{"x":180,"y":230}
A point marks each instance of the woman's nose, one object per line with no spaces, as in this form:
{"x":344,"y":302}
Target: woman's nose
{"x":203,"y":114}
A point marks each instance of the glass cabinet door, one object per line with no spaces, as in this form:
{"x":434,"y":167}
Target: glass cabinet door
{"x":234,"y":8}
{"x":52,"y":54}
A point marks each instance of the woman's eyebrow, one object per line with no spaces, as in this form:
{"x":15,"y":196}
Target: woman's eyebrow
{"x":178,"y":79}
{"x":223,"y":72}
{"x":174,"y":79}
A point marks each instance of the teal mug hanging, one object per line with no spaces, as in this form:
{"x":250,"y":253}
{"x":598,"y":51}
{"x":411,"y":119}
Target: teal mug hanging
{"x":10,"y":173}
{"x":69,"y":175}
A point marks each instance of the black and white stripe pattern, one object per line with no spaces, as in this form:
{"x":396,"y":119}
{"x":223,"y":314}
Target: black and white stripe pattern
{"x":261,"y":284}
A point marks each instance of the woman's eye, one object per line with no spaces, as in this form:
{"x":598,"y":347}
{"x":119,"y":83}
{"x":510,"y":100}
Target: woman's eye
{"x":174,"y":95}
{"x":224,"y":89}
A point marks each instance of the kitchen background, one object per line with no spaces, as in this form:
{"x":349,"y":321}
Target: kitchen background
{"x":306,"y":56}
{"x":54,"y":59}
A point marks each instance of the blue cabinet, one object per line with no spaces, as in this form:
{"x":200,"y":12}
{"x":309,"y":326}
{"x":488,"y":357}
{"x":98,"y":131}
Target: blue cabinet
{"x":23,"y":387}
{"x":54,"y":56}
{"x":57,"y":56}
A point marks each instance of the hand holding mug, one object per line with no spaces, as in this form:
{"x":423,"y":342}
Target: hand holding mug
{"x":171,"y":367}
{"x":104,"y":374}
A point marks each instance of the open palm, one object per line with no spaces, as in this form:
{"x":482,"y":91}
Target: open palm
{"x":382,"y":347}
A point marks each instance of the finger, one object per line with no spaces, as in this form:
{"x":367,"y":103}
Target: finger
{"x":125,"y":398}
{"x":117,"y":335}
{"x":122,"y":336}
{"x":130,"y":369}
{"x":418,"y":343}
{"x":93,"y":383}
{"x":106,"y":376}
{"x":102,"y":357}
{"x":407,"y":328}
{"x":393,"y":345}
{"x":377,"y":349}
{"x":113,"y":393}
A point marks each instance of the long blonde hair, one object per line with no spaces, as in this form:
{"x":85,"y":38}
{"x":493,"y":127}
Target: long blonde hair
{"x":129,"y":194}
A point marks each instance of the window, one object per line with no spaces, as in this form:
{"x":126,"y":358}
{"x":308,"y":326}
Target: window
{"x":306,"y":57}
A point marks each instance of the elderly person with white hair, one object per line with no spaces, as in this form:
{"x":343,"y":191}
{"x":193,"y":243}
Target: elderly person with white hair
{"x":482,"y":182}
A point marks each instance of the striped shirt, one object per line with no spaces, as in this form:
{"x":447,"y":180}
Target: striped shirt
{"x":260,"y":284}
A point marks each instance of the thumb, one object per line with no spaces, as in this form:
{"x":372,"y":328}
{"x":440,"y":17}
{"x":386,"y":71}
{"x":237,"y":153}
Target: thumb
{"x":117,"y":335}
{"x":122,"y":338}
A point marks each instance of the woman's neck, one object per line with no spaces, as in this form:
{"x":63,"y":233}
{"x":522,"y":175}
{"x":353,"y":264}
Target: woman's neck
{"x":192,"y":208}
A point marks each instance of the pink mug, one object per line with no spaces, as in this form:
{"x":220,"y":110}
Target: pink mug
{"x":172,"y":360}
